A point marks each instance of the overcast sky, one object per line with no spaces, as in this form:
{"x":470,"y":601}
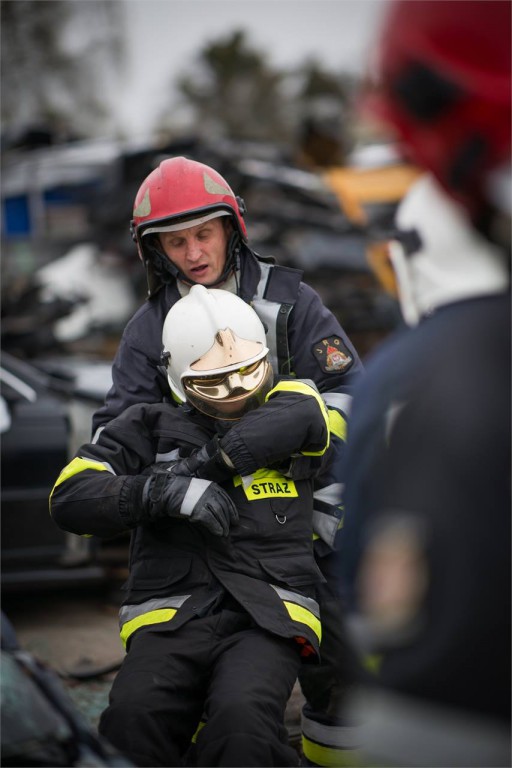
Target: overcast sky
{"x":164,"y":37}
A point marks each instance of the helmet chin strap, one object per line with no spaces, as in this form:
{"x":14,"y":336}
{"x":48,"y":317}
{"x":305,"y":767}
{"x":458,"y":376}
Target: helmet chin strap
{"x":166,"y":270}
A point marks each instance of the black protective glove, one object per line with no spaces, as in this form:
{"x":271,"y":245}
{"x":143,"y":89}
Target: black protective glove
{"x":212,"y":463}
{"x":188,"y":498}
{"x":209,"y":462}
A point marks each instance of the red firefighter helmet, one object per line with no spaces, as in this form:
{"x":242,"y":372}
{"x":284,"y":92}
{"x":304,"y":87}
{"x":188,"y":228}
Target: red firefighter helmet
{"x":181,"y":192}
{"x":443,"y":82}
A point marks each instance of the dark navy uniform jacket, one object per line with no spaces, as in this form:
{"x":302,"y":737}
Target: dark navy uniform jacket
{"x":304,"y":338}
{"x":428,"y":467}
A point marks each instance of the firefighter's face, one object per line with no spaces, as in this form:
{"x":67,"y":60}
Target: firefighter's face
{"x":198,"y":252}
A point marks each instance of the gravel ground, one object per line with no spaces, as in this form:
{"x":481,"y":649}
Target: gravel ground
{"x":76,"y":632}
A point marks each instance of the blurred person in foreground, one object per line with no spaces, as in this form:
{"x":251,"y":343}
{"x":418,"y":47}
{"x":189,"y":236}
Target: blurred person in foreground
{"x":428,"y":496}
{"x":220,"y":605}
{"x":189,"y":229}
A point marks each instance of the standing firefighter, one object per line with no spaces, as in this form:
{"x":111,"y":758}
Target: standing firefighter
{"x":428,"y":453}
{"x":220,"y":605}
{"x":189,"y":229}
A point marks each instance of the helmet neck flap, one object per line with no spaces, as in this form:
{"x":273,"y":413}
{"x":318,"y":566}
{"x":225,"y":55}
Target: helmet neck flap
{"x":436,"y":256}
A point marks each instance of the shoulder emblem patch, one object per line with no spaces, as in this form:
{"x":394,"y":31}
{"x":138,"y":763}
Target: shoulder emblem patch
{"x":332,"y":355}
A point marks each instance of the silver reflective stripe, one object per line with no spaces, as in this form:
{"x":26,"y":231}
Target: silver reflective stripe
{"x":169,"y":456}
{"x":338,"y":400}
{"x":265,"y":274}
{"x":194,"y":492}
{"x":331,"y":494}
{"x":108,"y":467}
{"x":311,"y":384}
{"x":294,"y":597}
{"x":97,"y":434}
{"x":267,"y":311}
{"x":325,"y":526}
{"x":129,"y":612}
{"x":334,"y":736}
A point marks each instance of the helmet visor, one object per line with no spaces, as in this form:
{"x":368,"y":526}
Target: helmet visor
{"x":230,"y":394}
{"x":180,"y":224}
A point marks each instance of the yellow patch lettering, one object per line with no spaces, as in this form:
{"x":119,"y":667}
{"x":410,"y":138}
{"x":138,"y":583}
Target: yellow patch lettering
{"x":266,"y":483}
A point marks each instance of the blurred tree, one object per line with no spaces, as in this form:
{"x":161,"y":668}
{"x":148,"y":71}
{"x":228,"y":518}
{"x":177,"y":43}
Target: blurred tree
{"x":236,"y":93}
{"x":56,"y":56}
{"x":323,"y":107}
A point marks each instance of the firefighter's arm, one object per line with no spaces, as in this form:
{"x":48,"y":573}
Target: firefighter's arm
{"x":89,"y":499}
{"x":94,"y":493}
{"x":293,"y":423}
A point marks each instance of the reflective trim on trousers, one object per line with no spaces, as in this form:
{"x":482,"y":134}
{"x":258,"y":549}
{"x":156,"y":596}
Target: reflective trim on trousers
{"x":330,"y":745}
{"x":301,"y":609}
{"x":337,"y":736}
{"x":335,"y":757}
{"x":156,"y":611}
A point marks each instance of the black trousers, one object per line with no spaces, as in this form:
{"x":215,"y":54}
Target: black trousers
{"x":221,"y":665}
{"x":326,"y":686}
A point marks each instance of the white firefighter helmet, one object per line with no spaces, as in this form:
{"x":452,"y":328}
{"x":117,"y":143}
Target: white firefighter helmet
{"x":215,"y":350}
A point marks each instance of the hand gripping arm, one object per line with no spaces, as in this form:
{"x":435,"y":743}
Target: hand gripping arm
{"x":188,"y":498}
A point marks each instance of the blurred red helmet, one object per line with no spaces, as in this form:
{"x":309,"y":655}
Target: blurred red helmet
{"x":443,"y":82}
{"x":177,"y":194}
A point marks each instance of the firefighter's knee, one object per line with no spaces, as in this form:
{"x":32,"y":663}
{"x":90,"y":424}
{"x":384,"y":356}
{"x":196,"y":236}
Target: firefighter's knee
{"x":239,"y":712}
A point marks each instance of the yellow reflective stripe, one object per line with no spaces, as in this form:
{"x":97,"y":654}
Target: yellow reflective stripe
{"x":74,"y":468}
{"x":266,"y":484}
{"x":337,"y":424}
{"x":305,"y":389}
{"x":329,"y":756}
{"x":316,"y":536}
{"x":198,"y":729}
{"x":79,"y":465}
{"x":177,"y":399}
{"x":299,"y":613}
{"x":151,"y":617}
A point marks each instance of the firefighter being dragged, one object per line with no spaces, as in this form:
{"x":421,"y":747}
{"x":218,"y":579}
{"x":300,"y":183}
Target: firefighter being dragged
{"x":220,"y":608}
